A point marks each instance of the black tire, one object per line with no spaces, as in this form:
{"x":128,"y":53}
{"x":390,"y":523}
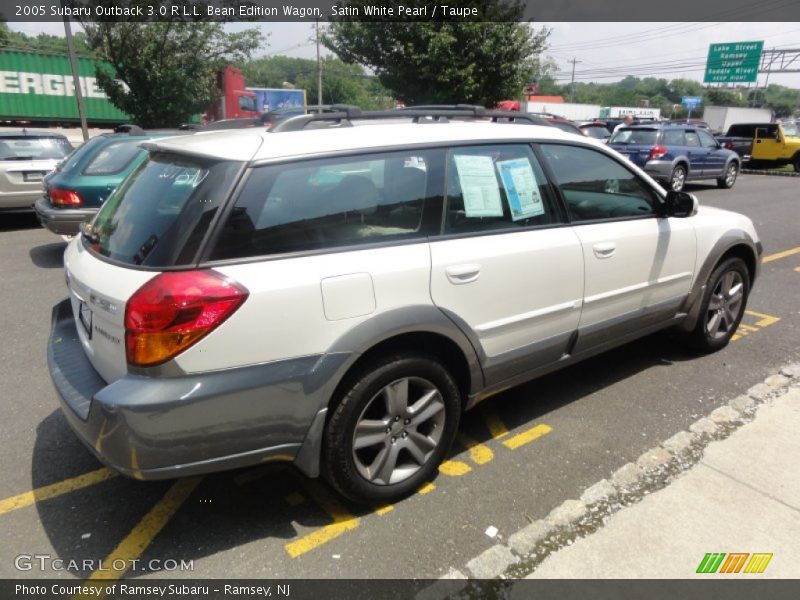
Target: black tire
{"x":729,"y":178}
{"x":706,"y":337}
{"x":365,"y":396}
{"x":677,"y":179}
{"x":796,"y":163}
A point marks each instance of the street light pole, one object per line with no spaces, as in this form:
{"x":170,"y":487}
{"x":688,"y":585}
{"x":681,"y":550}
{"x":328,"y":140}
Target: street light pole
{"x":319,"y":73}
{"x":73,"y":61}
{"x":574,"y":61}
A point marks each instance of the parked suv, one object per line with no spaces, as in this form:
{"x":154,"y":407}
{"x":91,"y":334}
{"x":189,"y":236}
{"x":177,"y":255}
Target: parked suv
{"x":675,"y":154}
{"x":74,"y":192}
{"x":337,"y":295}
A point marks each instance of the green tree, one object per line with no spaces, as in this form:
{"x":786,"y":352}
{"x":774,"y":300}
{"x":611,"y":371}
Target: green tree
{"x":165,"y":71}
{"x":430,"y":61}
{"x":42,"y":42}
{"x":5,"y":34}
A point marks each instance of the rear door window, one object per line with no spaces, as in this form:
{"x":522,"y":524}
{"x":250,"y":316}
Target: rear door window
{"x":327,"y":203}
{"x":673,"y":137}
{"x":114,"y":158}
{"x":692,"y":139}
{"x":496,"y":187}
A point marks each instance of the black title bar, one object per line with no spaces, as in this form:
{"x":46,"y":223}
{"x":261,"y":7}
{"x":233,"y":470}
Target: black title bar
{"x":408,"y":11}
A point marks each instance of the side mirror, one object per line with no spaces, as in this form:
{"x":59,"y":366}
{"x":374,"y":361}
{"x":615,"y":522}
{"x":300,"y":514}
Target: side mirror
{"x":680,"y":204}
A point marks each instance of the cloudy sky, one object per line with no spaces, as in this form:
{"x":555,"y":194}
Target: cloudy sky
{"x":606,"y":51}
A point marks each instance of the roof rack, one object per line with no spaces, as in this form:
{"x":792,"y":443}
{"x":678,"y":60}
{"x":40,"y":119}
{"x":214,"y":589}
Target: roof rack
{"x":343,"y":115}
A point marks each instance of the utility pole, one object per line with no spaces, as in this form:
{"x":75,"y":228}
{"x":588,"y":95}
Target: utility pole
{"x":574,"y":62}
{"x":73,"y":61}
{"x":319,"y":74}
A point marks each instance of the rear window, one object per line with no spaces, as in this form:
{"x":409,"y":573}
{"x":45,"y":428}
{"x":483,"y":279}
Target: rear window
{"x":114,"y":158}
{"x":77,"y":155}
{"x":160,"y":213}
{"x":638,"y":137}
{"x":26,"y":147}
{"x":327,"y":203}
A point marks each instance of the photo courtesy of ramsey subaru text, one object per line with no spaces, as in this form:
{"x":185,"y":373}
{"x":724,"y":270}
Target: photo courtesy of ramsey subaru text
{"x":336,"y":290}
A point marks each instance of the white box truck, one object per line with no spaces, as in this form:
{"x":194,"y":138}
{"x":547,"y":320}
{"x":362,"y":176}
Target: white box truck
{"x":720,"y":118}
{"x":639,"y":112}
{"x":574,"y":112}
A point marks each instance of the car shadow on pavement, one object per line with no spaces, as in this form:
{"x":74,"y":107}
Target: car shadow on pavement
{"x":225,"y":511}
{"x":48,"y":256}
{"x":229,"y":510}
{"x":12,"y":221}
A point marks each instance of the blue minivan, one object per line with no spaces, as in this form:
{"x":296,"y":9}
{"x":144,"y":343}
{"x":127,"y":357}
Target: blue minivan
{"x":675,"y":154}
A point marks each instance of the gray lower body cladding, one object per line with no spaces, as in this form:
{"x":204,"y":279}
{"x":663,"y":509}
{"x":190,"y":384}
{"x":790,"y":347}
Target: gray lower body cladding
{"x":159,"y":428}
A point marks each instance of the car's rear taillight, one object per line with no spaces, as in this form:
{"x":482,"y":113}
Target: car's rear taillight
{"x":172,"y":311}
{"x":656,"y":152}
{"x":729,"y":145}
{"x":61,"y":197}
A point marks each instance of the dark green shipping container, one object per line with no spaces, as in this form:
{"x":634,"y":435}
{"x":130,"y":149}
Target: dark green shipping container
{"x":39,"y":87}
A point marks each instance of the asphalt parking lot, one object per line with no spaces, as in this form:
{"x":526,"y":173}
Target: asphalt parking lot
{"x":519,"y":455}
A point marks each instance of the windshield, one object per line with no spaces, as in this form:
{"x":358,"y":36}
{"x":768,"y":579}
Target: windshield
{"x":643,"y":137}
{"x":791,"y":129}
{"x":160,"y":213}
{"x":26,"y":147}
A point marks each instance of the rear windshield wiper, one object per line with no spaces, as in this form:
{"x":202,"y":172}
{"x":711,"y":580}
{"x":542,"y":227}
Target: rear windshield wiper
{"x":17,"y":158}
{"x":146,"y":248}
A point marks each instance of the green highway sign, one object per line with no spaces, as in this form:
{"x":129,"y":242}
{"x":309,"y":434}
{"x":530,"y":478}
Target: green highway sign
{"x":734,"y":62}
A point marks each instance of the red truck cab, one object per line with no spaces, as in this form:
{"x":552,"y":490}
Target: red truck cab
{"x":235,"y":101}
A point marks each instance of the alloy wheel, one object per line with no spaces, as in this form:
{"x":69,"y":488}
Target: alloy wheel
{"x":678,"y":179}
{"x":730,"y":175}
{"x":725,"y":305}
{"x":398,"y":430}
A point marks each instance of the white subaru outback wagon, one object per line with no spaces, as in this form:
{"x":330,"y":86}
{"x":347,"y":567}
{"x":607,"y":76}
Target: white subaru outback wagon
{"x":336,"y":291}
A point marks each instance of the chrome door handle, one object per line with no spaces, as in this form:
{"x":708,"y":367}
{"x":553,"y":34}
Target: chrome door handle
{"x":458,"y":274}
{"x":605,"y":249}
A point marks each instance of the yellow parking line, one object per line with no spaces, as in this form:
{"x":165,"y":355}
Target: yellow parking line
{"x":426,"y":488}
{"x":118,"y":562}
{"x":479,"y":453}
{"x":342,"y":520}
{"x":454,"y":468}
{"x":527,"y":436}
{"x":382,"y":510}
{"x":765,"y":320}
{"x":778,"y":255}
{"x":55,"y":489}
{"x":797,"y":269}
{"x":748,"y":327}
{"x":493,"y":422}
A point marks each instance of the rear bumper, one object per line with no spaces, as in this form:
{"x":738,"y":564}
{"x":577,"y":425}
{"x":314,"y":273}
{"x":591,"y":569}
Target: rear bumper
{"x":160,"y":428}
{"x":19,"y":200}
{"x":659,"y":169}
{"x":62,"y":221}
